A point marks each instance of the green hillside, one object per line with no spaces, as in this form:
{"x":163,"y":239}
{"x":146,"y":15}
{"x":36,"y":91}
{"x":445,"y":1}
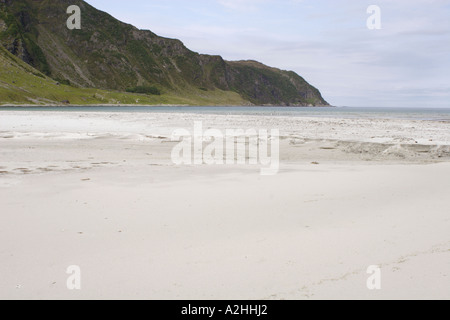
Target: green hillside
{"x":108,"y":55}
{"x":21,"y":84}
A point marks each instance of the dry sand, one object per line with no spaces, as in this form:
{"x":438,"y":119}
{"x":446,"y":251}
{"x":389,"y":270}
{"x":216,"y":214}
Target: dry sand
{"x":99,"y":190}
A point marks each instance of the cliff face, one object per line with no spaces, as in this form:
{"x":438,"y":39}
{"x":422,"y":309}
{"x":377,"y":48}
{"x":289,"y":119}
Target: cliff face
{"x":21,"y":84}
{"x":109,"y":54}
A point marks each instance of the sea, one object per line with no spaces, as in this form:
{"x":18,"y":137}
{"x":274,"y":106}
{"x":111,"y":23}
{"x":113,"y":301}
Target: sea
{"x":426,"y":114}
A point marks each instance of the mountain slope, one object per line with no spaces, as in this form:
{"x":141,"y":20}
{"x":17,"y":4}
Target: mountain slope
{"x":21,"y":84}
{"x":109,"y":54}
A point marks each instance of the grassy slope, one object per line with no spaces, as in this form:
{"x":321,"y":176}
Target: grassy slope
{"x":110,"y":55}
{"x":22,"y":84}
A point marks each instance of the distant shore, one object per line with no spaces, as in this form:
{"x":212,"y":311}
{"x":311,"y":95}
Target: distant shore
{"x":87,"y":105}
{"x":149,"y":105}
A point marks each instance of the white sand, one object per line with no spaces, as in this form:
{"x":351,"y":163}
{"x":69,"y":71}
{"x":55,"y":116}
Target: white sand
{"x":99,"y":191}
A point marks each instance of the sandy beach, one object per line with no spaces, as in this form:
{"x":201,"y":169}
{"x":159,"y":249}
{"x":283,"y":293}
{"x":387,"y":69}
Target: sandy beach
{"x":99,"y":190}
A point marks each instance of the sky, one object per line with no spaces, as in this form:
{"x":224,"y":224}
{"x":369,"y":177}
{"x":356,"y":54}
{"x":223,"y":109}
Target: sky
{"x":406,"y":63}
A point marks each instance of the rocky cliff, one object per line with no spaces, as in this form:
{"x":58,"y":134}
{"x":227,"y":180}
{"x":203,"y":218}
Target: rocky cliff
{"x":112,"y":55}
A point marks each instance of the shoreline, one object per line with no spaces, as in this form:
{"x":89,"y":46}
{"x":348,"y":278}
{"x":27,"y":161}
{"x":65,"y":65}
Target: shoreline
{"x":156,"y":105}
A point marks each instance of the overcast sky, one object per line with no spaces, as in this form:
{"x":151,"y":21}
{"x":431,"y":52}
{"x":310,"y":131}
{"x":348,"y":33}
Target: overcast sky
{"x":405,"y":64}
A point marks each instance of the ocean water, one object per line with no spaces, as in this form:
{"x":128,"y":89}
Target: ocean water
{"x":427,"y":114}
